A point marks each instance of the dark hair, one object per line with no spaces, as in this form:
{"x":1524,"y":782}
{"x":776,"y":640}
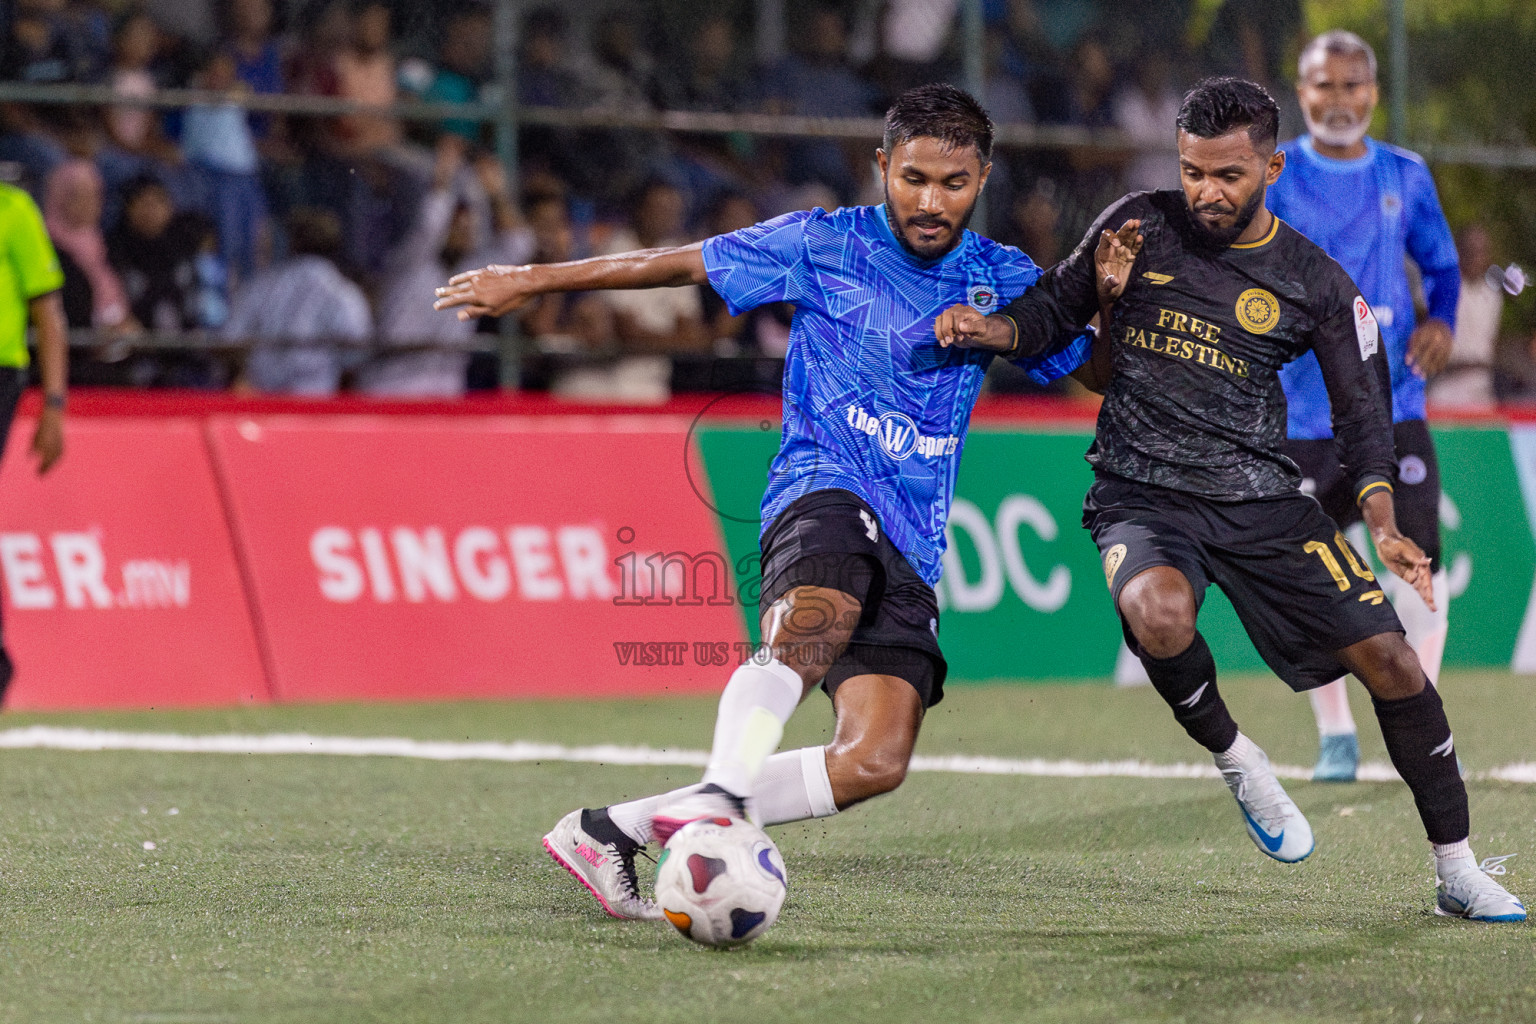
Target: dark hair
{"x":140,"y":184}
{"x":545,"y":21}
{"x":313,"y":231}
{"x":939,"y":111}
{"x":1217,"y":106}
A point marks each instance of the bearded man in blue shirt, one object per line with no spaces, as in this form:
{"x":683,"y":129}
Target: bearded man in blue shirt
{"x":1369,"y":205}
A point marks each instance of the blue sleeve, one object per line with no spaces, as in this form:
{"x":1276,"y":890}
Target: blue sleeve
{"x":1431,"y":245}
{"x":760,"y":264}
{"x":1060,"y":360}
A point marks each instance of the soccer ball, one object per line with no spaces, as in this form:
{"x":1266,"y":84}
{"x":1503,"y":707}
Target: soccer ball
{"x":721,"y":882}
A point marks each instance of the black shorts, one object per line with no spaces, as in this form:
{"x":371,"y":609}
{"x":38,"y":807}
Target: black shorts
{"x":1298,"y":587}
{"x":833,"y":539}
{"x":1416,"y":491}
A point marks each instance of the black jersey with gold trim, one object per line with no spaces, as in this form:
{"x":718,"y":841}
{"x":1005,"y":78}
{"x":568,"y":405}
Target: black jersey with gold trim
{"x":1194,"y":401}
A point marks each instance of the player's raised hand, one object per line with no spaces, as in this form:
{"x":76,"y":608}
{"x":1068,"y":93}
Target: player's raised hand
{"x":1429,"y":347}
{"x":963,"y":327}
{"x":489,"y":291}
{"x":1114,"y":257}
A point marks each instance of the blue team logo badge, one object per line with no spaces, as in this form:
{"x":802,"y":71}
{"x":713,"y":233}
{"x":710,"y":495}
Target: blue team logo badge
{"x":1391,"y":204}
{"x":898,"y":435}
{"x":982,"y":298}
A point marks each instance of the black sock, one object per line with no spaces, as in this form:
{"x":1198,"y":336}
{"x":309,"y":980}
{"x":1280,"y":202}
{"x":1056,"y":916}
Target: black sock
{"x":1419,"y":743}
{"x":599,"y":826}
{"x":1187,"y":682}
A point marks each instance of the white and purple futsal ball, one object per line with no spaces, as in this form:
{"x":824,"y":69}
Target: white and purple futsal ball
{"x":721,"y":882}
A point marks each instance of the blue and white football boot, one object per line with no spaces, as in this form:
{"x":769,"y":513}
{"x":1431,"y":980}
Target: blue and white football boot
{"x":1274,"y":822}
{"x":1463,"y":889}
{"x":1338,"y":758}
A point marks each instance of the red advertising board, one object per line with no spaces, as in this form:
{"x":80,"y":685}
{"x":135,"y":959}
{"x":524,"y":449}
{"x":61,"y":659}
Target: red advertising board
{"x":441,"y":557}
{"x":121,"y":587}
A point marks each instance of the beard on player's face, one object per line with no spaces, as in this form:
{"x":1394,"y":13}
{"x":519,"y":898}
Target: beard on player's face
{"x":1199,"y":214}
{"x":916,"y":245}
{"x":1337,"y":126}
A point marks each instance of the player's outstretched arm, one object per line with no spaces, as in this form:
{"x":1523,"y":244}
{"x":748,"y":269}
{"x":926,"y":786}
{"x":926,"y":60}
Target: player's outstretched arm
{"x":494,"y":290}
{"x":1397,"y":552}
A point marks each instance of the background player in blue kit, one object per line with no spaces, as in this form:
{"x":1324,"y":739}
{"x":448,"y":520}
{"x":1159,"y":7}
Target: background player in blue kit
{"x":1368,"y":205}
{"x":875,"y":416}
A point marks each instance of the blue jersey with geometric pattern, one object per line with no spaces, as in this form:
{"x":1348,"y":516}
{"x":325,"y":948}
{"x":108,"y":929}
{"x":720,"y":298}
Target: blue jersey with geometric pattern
{"x":872,"y":404}
{"x":1368,"y":213}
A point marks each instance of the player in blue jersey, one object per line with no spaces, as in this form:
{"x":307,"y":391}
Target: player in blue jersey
{"x":1368,"y":205}
{"x":875,"y":416}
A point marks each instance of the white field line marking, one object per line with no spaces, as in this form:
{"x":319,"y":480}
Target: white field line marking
{"x":45,"y":737}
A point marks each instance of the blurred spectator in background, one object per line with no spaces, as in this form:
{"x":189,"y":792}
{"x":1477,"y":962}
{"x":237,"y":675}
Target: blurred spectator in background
{"x":1036,"y":218}
{"x":656,"y":319}
{"x":386,"y":176}
{"x":365,"y":72}
{"x":218,"y":143}
{"x":1258,"y":40}
{"x":649,"y":321}
{"x":1008,"y":100}
{"x":1145,"y":109}
{"x":446,"y":239}
{"x":1090,"y":93}
{"x":463,"y":63}
{"x":1467,"y":380}
{"x":712,"y":76}
{"x":311,"y":70}
{"x":93,"y":294}
{"x":819,"y":81}
{"x":160,"y":255}
{"x":195,"y":21}
{"x":305,"y":321}
{"x":258,"y":57}
{"x":623,"y":73}
{"x":1025,"y":55}
{"x":912,"y":38}
{"x":545,"y":73}
{"x":563,"y":322}
{"x":136,"y":134}
{"x":40,"y":47}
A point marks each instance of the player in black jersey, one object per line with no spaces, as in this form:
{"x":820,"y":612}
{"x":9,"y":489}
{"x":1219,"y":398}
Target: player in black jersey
{"x":1206,"y":295}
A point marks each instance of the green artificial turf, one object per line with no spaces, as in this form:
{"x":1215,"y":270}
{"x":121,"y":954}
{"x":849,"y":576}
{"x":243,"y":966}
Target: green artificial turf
{"x":309,"y":888}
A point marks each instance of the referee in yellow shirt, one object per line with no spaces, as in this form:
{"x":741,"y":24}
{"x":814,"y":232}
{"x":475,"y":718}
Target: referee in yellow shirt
{"x":30,"y":280}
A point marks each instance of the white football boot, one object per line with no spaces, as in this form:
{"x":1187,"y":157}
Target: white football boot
{"x":1274,"y":822}
{"x":607,"y":870}
{"x":709,"y":801}
{"x":1463,"y":889}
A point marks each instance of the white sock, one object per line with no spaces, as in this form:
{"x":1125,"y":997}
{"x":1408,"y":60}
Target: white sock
{"x":753,"y":709}
{"x":1425,"y":630}
{"x":1242,"y":753}
{"x":1330,"y":706}
{"x":792,"y":786}
{"x":1449,"y":854}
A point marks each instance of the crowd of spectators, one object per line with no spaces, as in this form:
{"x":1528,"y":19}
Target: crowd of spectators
{"x":317,"y":239}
